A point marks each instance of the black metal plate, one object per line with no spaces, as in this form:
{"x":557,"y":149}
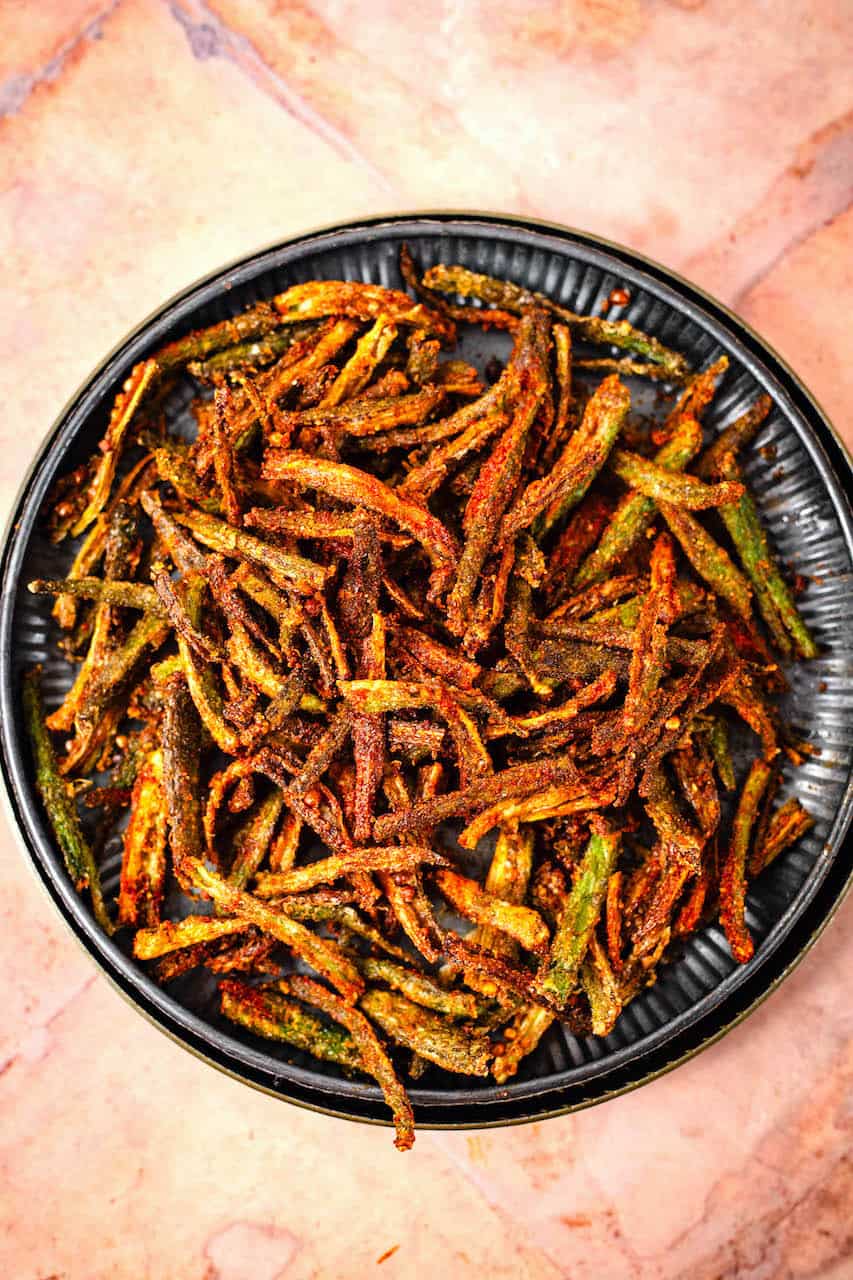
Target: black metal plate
{"x":804,"y":504}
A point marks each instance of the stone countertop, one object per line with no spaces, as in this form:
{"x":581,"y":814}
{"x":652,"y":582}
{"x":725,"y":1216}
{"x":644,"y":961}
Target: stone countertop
{"x":144,"y":143}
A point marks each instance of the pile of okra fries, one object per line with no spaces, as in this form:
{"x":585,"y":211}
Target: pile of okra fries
{"x":413,"y":685}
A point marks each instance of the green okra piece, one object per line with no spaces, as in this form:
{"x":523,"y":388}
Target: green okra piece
{"x":252,"y":840}
{"x":323,"y":954}
{"x":303,"y":574}
{"x":508,"y":877}
{"x":130,"y":595}
{"x":180,"y":737}
{"x":733,"y":875}
{"x":455,"y":1048}
{"x":734,"y":437}
{"x":558,"y":977}
{"x":718,"y":741}
{"x":549,"y":499}
{"x":774,"y":598}
{"x":59,"y":803}
{"x":627,"y":612}
{"x":635,"y":512}
{"x":663,"y":485}
{"x":273,"y":1016}
{"x":419,"y":988}
{"x":602,"y":989}
{"x":256,"y":322}
{"x":257,"y":351}
{"x":788,"y":823}
{"x":511,"y":297}
{"x":529,"y":1026}
{"x":709,"y":559}
{"x":117,"y":668}
{"x":174,"y":466}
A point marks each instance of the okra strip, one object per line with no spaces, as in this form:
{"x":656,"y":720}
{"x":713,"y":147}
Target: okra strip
{"x":143,"y":866}
{"x":370,"y":350}
{"x":601,"y":988}
{"x":423,"y":480}
{"x":528,"y":1027}
{"x":678,"y":836}
{"x":181,"y":742}
{"x":518,"y":780}
{"x":460,"y":1049}
{"x":613,"y":920}
{"x":635,"y":512}
{"x":374,"y":1059}
{"x":112,"y":676}
{"x":523,"y":924}
{"x":390,"y":858}
{"x":320,"y":298}
{"x":419,"y":988}
{"x":126,"y":404}
{"x":787,"y":825}
{"x":734,"y":437}
{"x":365,"y":415}
{"x":155,"y":940}
{"x":550,"y":499}
{"x":348,"y":484}
{"x":511,"y":297}
{"x":552,"y":802}
{"x":709,"y":559}
{"x":693,"y":769}
{"x":772,"y":594}
{"x":718,"y":743}
{"x":252,"y":841}
{"x":662,"y":485}
{"x":508,"y":877}
{"x":59,"y":802}
{"x":253,"y":353}
{"x":558,"y":977}
{"x":304,"y":575}
{"x":271,"y":1015}
{"x":93,"y":545}
{"x":733,"y":876}
{"x":127,"y":595}
{"x":500,"y":472}
{"x":322,"y":954}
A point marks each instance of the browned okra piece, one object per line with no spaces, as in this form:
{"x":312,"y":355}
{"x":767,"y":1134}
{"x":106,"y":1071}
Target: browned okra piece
{"x":733,"y":877}
{"x":143,"y":866}
{"x":374,"y":1059}
{"x":500,"y":473}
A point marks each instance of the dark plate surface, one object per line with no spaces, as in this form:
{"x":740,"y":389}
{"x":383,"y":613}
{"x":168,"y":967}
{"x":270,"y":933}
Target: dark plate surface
{"x":802,"y":497}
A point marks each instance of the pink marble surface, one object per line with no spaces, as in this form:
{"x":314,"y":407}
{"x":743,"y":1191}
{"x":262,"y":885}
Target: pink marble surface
{"x":143,"y":143}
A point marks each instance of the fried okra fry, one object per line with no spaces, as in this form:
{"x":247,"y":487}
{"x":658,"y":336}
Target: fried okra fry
{"x":636,"y":511}
{"x":733,"y":877}
{"x":320,"y":298}
{"x":772,"y":594}
{"x":523,"y":924}
{"x":271,"y":1015}
{"x":59,"y":802}
{"x":511,"y":297}
{"x":455,"y":1048}
{"x":558,"y":977}
{"x":374,"y":1059}
{"x":143,"y":867}
{"x":350,"y":485}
